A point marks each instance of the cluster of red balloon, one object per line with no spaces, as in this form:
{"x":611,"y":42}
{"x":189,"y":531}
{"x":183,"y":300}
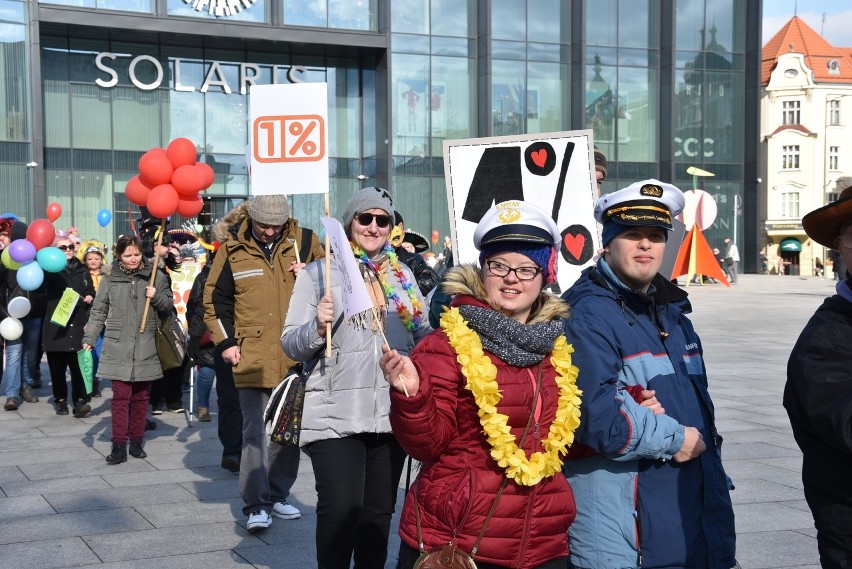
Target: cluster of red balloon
{"x":169,"y":180}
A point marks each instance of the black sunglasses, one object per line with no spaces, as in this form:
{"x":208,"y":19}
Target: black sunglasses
{"x":65,"y":247}
{"x":366,"y":219}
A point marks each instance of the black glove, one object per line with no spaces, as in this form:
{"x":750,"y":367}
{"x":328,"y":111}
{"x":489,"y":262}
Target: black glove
{"x":192,"y":348}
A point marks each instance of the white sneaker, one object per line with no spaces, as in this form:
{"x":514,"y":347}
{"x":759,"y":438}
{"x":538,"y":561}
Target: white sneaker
{"x":258,"y":520}
{"x":285,"y":511}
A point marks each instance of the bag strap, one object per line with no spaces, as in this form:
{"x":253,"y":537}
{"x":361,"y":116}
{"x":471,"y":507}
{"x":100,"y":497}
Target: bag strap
{"x":499,"y":491}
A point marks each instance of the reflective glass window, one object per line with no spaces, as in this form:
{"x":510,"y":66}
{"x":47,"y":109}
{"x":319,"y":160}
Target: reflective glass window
{"x":14,"y":94}
{"x":548,"y":21}
{"x":409,"y":92}
{"x":410,"y":16}
{"x":509,"y":20}
{"x":602,"y":29}
{"x":453,"y":17}
{"x":451,"y":101}
{"x":346,"y":14}
{"x":12,"y":11}
{"x":509,"y":97}
{"x":306,"y":13}
{"x":124,"y":5}
{"x":548,"y":100}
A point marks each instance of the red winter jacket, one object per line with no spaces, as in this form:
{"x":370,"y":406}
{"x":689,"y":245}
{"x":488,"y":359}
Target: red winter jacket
{"x":458,"y":479}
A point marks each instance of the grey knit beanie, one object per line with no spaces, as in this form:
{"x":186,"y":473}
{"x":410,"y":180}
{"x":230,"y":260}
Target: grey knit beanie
{"x":269,"y":210}
{"x":367,"y":198}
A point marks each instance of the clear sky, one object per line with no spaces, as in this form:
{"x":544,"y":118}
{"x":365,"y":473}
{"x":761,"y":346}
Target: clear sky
{"x":835,"y":28}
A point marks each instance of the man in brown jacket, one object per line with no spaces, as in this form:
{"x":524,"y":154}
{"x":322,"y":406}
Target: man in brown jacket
{"x":245,"y":303}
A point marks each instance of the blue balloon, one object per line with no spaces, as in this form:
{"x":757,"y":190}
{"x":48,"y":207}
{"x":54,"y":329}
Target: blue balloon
{"x":51,"y":259}
{"x":30,"y":276}
{"x":104,"y":217}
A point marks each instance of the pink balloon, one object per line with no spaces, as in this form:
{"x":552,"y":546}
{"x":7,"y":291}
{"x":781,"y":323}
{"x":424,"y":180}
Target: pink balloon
{"x":41,"y":233}
{"x":54,"y":210}
{"x":163,"y":201}
{"x":181,"y":152}
{"x":155,"y":168}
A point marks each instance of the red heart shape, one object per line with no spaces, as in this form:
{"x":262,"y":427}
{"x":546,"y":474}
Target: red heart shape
{"x":539,"y":157}
{"x":574,"y":244}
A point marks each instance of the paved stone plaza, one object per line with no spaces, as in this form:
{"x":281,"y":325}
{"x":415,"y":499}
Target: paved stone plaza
{"x":61,"y":505}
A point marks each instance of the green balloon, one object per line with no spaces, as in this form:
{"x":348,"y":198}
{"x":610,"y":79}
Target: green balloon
{"x":8,"y":261}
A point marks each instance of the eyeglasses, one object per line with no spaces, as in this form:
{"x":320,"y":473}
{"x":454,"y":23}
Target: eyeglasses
{"x":366,"y":219}
{"x":845,"y":240}
{"x":65,"y":247}
{"x":498,"y":269}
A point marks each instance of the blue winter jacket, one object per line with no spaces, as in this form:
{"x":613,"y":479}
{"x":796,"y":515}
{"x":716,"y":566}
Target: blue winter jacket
{"x":635,"y":506}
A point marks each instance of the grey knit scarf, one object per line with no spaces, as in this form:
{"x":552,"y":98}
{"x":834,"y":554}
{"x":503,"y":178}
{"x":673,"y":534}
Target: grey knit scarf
{"x":519,"y":345}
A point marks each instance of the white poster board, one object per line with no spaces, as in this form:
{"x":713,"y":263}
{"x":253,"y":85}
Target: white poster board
{"x":554,"y":171}
{"x":355,"y":296}
{"x":288,"y":138}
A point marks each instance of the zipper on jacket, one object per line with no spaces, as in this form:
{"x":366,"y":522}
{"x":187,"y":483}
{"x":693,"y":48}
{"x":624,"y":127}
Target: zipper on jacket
{"x":639,"y":559}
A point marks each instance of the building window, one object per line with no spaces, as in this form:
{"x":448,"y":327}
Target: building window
{"x":791,"y":112}
{"x":832,"y":197}
{"x":790,"y":157}
{"x":833,"y":157}
{"x":834,"y":112}
{"x":790,"y":204}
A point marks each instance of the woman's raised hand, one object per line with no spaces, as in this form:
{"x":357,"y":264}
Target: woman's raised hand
{"x":400,"y":372}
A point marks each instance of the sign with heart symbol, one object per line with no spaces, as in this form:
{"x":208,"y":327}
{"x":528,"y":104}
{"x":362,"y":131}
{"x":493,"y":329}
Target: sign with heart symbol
{"x":554,"y":171}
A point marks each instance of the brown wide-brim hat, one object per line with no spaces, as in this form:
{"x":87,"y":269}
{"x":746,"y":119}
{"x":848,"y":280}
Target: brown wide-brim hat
{"x":823,"y":224}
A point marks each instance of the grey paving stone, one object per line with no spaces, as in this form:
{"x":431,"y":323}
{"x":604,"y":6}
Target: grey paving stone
{"x":166,"y":476}
{"x":173,"y":461}
{"x":92,"y":465}
{"x":191,"y":513}
{"x":768,"y":517}
{"x":69,"y":453}
{"x":212,"y":560}
{"x":20,"y":506}
{"x":172,"y":541}
{"x":756,"y":490}
{"x":47,"y":554}
{"x":752,"y":450}
{"x":71,"y":524}
{"x":133,"y":496}
{"x":212,"y":490}
{"x":11,"y":474}
{"x":771,"y":549}
{"x":54,"y":485}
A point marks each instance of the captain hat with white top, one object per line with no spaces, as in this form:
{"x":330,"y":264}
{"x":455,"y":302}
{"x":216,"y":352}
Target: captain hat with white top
{"x":649,"y":203}
{"x":516,"y":220}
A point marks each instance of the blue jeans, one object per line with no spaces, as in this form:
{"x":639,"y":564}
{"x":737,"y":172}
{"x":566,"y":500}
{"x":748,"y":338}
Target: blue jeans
{"x":21,"y":358}
{"x":204,"y":386}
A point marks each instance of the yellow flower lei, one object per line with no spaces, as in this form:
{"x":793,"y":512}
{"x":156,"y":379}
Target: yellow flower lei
{"x":481,"y":376}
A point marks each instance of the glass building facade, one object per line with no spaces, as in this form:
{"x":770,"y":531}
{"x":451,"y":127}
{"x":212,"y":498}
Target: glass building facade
{"x":90,"y":85}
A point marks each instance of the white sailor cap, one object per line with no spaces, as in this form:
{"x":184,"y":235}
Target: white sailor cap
{"x":518,"y":221}
{"x":646,"y":203}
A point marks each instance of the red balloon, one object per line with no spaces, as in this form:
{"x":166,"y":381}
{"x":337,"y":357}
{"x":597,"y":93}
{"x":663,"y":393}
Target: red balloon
{"x":136,"y":191}
{"x":187,"y":181}
{"x":190,"y":207}
{"x":54,"y":210}
{"x":181,"y":152}
{"x":41,"y":233}
{"x":207,"y":175}
{"x":155,"y":168}
{"x":163,"y":201}
{"x":435,"y":235}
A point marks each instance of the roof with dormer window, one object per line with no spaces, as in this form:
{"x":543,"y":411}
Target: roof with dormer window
{"x":829,"y":64}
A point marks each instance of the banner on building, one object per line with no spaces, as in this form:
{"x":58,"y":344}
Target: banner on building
{"x":288,"y":138}
{"x":554,"y":171}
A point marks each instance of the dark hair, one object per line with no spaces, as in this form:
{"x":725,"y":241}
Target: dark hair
{"x":123,"y":242}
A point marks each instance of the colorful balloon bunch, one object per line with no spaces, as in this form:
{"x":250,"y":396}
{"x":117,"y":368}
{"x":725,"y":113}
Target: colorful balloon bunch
{"x":170,"y":179}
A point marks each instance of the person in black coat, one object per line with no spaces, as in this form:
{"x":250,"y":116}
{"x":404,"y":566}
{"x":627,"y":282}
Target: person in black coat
{"x":427,"y":279}
{"x":61,"y":343}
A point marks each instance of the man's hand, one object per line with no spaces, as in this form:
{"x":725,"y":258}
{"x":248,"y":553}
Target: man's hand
{"x":295,"y":267}
{"x":693,"y":445}
{"x":649,"y":400}
{"x":232,"y":355}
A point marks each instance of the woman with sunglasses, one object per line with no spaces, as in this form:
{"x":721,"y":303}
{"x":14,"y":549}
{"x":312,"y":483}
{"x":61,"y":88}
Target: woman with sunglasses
{"x":346,"y":430}
{"x":62,"y":342}
{"x":489,"y":405}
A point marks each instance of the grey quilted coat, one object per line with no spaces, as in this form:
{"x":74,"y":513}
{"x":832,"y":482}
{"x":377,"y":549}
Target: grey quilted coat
{"x":128,"y":355}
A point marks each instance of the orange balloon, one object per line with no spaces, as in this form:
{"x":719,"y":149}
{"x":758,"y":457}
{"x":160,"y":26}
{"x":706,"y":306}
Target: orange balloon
{"x":187,"y":181}
{"x":207,"y":175}
{"x":41,"y":233}
{"x":181,"y":152}
{"x":435,"y":235}
{"x":155,"y":168}
{"x":163,"y":201}
{"x":136,"y":191}
{"x":54,"y":210}
{"x":190,"y":207}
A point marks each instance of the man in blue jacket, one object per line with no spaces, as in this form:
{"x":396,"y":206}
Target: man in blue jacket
{"x":652,"y":492}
